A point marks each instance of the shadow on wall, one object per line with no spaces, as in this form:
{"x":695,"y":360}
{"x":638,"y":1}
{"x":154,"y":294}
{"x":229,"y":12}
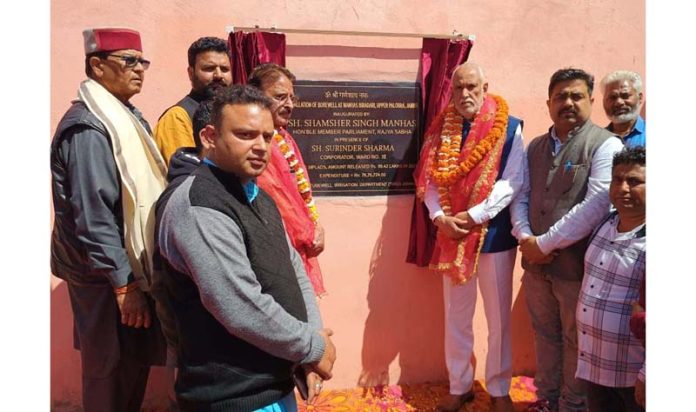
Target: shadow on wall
{"x":66,"y":376}
{"x":521,"y":333}
{"x":405,"y":317}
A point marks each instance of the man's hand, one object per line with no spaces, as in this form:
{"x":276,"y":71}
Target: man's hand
{"x":468,"y":221}
{"x":324,"y":366}
{"x":318,"y":242}
{"x":314,"y":384}
{"x":134,"y":309}
{"x":640,"y":392}
{"x":531,"y":252}
{"x":451,"y":226}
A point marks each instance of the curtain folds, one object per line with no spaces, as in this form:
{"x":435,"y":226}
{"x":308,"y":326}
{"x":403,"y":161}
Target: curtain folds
{"x":248,"y":50}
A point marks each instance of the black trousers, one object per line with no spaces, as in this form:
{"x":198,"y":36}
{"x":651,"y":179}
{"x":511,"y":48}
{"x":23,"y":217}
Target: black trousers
{"x":605,"y":399}
{"x":114,"y":357}
{"x":122,"y":391}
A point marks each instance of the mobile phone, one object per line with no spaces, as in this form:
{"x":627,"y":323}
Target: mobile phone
{"x":300,"y":379}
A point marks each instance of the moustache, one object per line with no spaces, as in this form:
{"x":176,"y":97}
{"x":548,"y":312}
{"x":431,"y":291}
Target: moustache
{"x":212,"y":88}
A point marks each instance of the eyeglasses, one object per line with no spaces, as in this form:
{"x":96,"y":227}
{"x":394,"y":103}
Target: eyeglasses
{"x":284,"y":98}
{"x":132,"y":61}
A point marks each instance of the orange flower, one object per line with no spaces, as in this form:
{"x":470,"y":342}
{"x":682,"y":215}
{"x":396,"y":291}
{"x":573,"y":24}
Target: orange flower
{"x":302,"y":183}
{"x":448,"y":169}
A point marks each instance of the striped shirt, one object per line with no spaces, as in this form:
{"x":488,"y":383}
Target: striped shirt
{"x":608,"y":354}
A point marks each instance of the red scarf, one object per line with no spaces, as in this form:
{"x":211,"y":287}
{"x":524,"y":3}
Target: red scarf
{"x":459,"y":258}
{"x":281,"y":185}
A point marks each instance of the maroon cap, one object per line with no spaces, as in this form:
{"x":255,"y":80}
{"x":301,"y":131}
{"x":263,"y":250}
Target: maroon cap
{"x":110,"y":39}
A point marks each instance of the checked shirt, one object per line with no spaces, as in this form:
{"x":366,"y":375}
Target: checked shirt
{"x":608,"y":354}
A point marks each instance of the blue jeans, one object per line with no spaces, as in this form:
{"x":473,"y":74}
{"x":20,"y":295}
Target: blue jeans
{"x":551,"y":303}
{"x":287,"y":404}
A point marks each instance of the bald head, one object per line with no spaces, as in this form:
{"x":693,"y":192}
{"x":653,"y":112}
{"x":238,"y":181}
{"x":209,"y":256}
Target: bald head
{"x":469,"y":87}
{"x":470,"y":66}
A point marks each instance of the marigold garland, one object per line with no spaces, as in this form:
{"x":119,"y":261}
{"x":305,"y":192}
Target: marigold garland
{"x":302,"y":183}
{"x":447,"y":170}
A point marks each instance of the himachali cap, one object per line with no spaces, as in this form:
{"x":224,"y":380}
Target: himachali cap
{"x":110,"y":39}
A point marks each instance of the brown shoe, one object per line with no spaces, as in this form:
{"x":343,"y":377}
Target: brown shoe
{"x":502,"y":404}
{"x":452,"y":403}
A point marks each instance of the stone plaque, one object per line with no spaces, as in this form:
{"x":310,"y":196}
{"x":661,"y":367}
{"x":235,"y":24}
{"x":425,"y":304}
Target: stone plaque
{"x":357,"y":139}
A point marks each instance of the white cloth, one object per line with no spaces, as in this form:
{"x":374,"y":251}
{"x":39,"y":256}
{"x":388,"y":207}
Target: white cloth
{"x":495,"y":282}
{"x":142,"y":171}
{"x":584,"y":216}
{"x":608,"y":353}
{"x":503,"y":191}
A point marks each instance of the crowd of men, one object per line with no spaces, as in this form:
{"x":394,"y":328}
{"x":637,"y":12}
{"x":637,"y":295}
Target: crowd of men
{"x":196,"y":246}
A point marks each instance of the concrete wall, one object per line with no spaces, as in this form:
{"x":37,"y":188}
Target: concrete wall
{"x":387,"y":315}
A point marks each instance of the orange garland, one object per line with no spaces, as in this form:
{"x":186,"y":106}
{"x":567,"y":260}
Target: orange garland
{"x":448,"y":170}
{"x":302,"y":183}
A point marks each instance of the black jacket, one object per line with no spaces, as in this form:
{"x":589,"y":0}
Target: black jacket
{"x":182,"y":163}
{"x":218,"y":370}
{"x":87,"y":244}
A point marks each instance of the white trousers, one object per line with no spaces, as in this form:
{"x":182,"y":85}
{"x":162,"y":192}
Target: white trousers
{"x":495,"y":281}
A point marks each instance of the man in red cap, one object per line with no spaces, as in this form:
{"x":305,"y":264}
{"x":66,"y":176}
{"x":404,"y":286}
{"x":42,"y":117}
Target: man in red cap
{"x":106,"y":176}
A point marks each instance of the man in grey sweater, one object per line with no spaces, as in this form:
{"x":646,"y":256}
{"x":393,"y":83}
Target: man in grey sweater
{"x":245,"y":311}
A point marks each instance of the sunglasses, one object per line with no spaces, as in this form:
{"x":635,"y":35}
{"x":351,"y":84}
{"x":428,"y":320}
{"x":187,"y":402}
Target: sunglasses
{"x":132,"y":61}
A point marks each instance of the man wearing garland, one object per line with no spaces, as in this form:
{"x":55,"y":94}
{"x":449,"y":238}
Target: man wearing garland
{"x":286,"y":179}
{"x":470,"y":169}
{"x":209,"y":68}
{"x":564,"y":197}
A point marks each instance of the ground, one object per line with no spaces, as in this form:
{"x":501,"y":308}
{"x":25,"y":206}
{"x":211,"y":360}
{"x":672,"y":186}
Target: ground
{"x":398,"y":398}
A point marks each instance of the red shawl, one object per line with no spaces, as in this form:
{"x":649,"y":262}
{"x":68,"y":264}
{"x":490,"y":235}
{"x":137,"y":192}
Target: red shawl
{"x":281,"y":185}
{"x":459,"y":258}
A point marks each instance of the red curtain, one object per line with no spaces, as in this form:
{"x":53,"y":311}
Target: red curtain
{"x":438,"y":59}
{"x":248,"y":50}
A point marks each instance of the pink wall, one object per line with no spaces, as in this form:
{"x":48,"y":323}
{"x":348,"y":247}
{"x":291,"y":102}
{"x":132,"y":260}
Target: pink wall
{"x":387,"y":315}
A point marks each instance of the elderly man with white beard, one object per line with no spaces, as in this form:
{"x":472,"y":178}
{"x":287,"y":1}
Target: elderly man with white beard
{"x":623,"y":99}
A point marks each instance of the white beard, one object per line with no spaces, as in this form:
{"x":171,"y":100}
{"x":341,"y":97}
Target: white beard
{"x":626,"y":117}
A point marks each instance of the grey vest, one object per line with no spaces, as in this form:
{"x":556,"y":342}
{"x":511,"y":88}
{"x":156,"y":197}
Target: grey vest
{"x":557,"y":183}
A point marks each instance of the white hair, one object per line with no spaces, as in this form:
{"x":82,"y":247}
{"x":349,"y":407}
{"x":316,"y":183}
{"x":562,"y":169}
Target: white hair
{"x":472,"y":65}
{"x":623,"y":75}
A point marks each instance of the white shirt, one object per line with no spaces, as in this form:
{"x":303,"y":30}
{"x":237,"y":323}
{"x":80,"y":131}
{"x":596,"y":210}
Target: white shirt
{"x":582,"y":218}
{"x":503,"y":191}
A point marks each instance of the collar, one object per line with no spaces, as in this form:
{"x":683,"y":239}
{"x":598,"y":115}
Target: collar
{"x":251,"y":189}
{"x":638,"y":127}
{"x":572,"y":133}
{"x":554,"y":136}
{"x":637,"y":232}
{"x":133,"y":109}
